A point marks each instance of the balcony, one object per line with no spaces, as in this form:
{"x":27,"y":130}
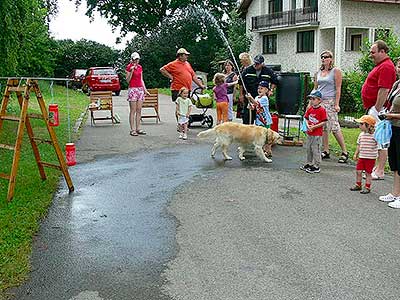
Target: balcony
{"x":294,"y":17}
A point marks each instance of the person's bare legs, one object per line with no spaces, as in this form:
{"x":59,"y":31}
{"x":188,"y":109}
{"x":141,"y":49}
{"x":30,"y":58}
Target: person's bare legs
{"x":325,"y":141}
{"x":340,"y":139}
{"x":380,"y":163}
{"x":138,"y":114}
{"x":132,"y":112}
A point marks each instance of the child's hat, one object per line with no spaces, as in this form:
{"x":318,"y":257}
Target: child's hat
{"x":264,"y":84}
{"x":370,"y":120}
{"x":315,"y":94}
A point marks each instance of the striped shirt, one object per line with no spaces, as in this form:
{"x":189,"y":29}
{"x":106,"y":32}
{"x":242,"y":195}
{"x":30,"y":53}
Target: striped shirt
{"x":368,"y":146}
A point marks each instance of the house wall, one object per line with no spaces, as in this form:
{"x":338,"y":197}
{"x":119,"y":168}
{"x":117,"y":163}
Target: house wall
{"x":288,"y":58}
{"x":333,"y":14}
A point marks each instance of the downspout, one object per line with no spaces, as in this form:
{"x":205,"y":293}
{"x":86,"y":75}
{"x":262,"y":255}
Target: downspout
{"x":339,"y":35}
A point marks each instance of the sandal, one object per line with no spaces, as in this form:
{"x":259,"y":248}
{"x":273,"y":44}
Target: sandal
{"x":325,"y":155}
{"x":356,"y":187}
{"x":344,"y":157}
{"x":133,"y":133}
{"x":142,"y":132}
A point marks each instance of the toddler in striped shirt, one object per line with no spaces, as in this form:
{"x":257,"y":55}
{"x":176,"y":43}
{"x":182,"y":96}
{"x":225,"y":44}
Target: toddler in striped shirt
{"x":366,"y":153}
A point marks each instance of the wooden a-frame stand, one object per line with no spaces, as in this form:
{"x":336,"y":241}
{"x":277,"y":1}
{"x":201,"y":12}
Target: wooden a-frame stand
{"x":23,"y":91}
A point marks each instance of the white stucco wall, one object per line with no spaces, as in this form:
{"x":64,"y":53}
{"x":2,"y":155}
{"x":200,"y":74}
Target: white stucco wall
{"x":353,"y":14}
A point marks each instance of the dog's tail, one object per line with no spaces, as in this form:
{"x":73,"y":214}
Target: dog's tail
{"x":207,"y":133}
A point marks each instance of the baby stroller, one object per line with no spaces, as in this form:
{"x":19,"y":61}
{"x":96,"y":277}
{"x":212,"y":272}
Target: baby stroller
{"x":203,"y":102}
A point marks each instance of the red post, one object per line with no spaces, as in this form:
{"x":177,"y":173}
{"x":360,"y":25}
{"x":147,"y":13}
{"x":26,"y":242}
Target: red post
{"x":53,"y":115}
{"x":70,"y":154}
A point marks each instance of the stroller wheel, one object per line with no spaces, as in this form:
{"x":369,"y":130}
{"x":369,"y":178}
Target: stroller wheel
{"x":209,"y":121}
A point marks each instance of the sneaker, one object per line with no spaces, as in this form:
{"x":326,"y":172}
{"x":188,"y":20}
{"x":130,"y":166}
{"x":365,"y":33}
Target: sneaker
{"x":180,"y":136}
{"x":305,"y":167}
{"x":313,"y":169}
{"x":395,"y":203}
{"x":387,"y":198}
{"x":365,"y":191}
{"x":356,"y":187}
{"x":184,"y":136}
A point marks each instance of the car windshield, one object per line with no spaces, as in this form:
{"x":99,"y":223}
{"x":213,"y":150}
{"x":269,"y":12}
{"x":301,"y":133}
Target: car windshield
{"x":104,"y":72}
{"x":80,"y":72}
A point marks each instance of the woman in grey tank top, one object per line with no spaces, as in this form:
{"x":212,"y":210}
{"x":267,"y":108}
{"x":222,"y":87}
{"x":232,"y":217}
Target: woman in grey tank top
{"x":328,"y":80}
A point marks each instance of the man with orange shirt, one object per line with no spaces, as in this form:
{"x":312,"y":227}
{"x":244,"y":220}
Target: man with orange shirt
{"x":180,"y":73}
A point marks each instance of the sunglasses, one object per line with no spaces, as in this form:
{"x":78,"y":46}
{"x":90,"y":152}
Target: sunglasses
{"x":325,"y":57}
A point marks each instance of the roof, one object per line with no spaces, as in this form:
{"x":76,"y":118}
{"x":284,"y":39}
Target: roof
{"x":243,"y":6}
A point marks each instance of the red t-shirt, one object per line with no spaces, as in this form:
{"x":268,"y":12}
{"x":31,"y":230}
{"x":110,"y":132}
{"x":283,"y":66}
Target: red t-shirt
{"x":136,"y":79}
{"x":314,"y":116}
{"x":383,"y":75}
{"x":182,"y":74}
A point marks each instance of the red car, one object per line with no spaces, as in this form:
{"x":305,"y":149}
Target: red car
{"x":101,"y":79}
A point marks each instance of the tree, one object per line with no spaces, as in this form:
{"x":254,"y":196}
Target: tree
{"x":83,"y":54}
{"x":143,"y":16}
{"x":24,"y":39}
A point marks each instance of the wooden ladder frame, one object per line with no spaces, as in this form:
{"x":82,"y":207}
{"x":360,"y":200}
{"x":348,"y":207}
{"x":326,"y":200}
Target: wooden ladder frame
{"x":23,"y":94}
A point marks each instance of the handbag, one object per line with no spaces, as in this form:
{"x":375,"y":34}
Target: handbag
{"x":383,"y":133}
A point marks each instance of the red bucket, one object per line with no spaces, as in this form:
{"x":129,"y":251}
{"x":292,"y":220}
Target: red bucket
{"x":53,"y":115}
{"x":275,"y":122}
{"x":70,"y":154}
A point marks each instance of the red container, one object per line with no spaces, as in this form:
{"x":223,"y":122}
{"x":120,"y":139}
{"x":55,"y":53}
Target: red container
{"x":53,"y":115}
{"x":275,"y":122}
{"x":70,"y":154}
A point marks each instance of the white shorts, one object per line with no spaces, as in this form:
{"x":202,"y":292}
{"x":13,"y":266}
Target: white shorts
{"x":182,"y":120}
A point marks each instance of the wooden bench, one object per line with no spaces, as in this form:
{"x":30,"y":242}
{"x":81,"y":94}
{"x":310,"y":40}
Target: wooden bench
{"x":151,"y":101}
{"x":101,"y":100}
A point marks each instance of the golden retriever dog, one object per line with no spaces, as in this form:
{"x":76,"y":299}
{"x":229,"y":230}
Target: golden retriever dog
{"x":228,"y":133}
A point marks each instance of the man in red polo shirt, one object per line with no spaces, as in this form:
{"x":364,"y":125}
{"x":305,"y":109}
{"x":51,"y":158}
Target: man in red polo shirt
{"x":180,"y":73}
{"x":374,"y":92}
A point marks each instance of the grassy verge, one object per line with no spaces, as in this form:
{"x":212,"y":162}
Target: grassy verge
{"x":19,"y":219}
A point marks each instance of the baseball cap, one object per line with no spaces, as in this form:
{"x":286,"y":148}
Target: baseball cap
{"x":258,"y":59}
{"x":182,"y":51}
{"x":264,"y":84}
{"x":370,"y":120}
{"x":135,"y":55}
{"x":315,"y":94}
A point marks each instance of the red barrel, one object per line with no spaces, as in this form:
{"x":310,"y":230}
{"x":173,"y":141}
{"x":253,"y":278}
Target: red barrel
{"x":70,"y":154}
{"x":53,"y":115}
{"x":275,"y":122}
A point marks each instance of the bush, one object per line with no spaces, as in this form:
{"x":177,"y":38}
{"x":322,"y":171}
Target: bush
{"x":350,"y":100}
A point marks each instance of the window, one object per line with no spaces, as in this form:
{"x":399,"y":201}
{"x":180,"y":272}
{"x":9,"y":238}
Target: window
{"x":275,"y":6}
{"x":269,"y":44}
{"x":355,"y":43}
{"x":305,"y":41}
{"x":381,"y":33}
{"x":313,"y":4}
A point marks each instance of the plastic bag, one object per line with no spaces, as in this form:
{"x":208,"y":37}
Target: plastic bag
{"x":383,"y":132}
{"x":304,"y":127}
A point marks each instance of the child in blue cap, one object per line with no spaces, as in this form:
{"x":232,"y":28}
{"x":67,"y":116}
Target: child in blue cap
{"x":261,"y":105}
{"x":315,"y":117}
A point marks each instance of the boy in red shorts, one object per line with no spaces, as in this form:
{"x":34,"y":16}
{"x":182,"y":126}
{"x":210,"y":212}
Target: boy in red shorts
{"x":366,"y":153}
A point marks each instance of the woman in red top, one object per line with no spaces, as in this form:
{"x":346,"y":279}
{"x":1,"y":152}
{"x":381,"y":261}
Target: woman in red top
{"x":136,"y":91}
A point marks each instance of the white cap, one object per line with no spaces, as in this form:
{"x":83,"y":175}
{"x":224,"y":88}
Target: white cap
{"x":135,"y":55}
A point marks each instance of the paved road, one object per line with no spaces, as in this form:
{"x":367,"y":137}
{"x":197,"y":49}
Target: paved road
{"x":155,"y":218}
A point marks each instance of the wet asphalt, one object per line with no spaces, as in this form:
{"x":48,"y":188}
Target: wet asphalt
{"x":154,"y":217}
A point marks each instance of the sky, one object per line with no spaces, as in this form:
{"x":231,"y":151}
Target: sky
{"x":75,"y":25}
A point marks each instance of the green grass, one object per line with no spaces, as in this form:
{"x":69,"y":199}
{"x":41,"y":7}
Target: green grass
{"x":20,"y":218}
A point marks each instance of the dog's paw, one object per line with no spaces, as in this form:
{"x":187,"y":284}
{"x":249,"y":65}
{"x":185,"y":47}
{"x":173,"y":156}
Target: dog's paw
{"x":228,"y":158}
{"x":268,"y":160}
{"x":212,"y":156}
{"x":242,"y":158}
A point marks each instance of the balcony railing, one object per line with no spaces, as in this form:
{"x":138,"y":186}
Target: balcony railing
{"x":287,"y":18}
